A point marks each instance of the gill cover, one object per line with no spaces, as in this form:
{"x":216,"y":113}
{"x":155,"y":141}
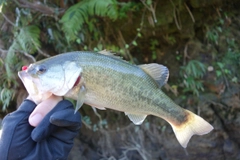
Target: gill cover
{"x":59,"y":78}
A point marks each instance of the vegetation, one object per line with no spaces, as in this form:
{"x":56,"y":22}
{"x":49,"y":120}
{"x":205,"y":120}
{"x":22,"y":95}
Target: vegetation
{"x":198,"y":41}
{"x":37,"y":29}
{"x":192,"y":74}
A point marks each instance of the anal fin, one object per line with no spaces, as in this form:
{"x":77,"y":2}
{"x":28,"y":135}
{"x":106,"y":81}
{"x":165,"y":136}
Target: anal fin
{"x":137,"y":119}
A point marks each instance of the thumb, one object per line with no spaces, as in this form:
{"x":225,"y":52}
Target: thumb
{"x":42,"y":109}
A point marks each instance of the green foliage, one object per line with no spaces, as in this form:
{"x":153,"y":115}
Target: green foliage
{"x":126,"y":7}
{"x":228,"y":66}
{"x":221,"y":70}
{"x":32,"y":29}
{"x":153,"y":46}
{"x":213,"y":36}
{"x":228,"y":60}
{"x":94,"y":126}
{"x":6,"y":96}
{"x":106,"y":8}
{"x":2,"y":2}
{"x":213,"y":33}
{"x":170,"y":39}
{"x":27,"y":40}
{"x":192,"y":74}
{"x":78,"y":14}
{"x":96,"y":25}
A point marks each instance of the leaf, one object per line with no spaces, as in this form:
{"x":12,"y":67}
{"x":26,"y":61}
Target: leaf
{"x":134,"y":43}
{"x":28,"y":39}
{"x":195,"y":68}
{"x":219,"y":73}
{"x":74,"y":18}
{"x":220,"y":65}
{"x":2,"y":3}
{"x":154,"y":55}
{"x":149,"y":2}
{"x":6,"y":96}
{"x":191,"y":74}
{"x":103,"y":8}
{"x":139,"y":34}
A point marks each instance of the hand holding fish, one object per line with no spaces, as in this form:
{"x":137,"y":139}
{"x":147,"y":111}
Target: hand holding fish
{"x":42,"y":109}
{"x":103,"y":80}
{"x":52,"y":138}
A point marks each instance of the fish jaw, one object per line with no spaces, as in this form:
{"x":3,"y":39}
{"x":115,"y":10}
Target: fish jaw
{"x":32,"y":88}
{"x":28,"y":82}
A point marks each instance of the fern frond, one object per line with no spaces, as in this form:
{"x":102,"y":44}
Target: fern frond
{"x":73,"y":20}
{"x":78,"y":14}
{"x":104,"y":8}
{"x":28,"y":39}
{"x":6,"y":96}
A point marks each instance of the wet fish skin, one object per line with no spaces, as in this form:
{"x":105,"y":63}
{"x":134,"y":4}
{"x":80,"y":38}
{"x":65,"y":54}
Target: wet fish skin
{"x":110,"y":82}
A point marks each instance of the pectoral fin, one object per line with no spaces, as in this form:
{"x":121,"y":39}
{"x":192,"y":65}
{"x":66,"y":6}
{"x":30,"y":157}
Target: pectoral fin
{"x":137,"y":119}
{"x":81,"y":98}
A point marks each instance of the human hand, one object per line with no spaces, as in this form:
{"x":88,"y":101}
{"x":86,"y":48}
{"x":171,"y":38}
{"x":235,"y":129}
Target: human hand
{"x":42,"y":109}
{"x":52,"y":138}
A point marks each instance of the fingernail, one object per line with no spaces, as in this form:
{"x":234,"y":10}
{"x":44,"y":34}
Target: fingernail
{"x":35,"y":119}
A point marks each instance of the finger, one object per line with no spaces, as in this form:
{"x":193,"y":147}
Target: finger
{"x":42,"y":109}
{"x":46,"y":128}
{"x":66,"y":117}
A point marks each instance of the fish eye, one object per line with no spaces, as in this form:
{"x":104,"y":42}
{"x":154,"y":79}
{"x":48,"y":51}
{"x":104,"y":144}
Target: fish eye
{"x":41,"y":69}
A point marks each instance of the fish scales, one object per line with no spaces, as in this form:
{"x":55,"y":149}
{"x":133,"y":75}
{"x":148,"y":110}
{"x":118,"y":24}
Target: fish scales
{"x":103,"y":82}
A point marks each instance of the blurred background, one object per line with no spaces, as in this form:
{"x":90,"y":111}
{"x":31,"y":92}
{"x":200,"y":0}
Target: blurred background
{"x":198,"y":40}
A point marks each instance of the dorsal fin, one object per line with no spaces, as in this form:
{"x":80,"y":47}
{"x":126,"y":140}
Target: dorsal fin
{"x":158,"y":72}
{"x":109,"y":53}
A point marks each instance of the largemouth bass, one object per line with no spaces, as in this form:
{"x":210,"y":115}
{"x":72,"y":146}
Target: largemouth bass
{"x":103,"y":80}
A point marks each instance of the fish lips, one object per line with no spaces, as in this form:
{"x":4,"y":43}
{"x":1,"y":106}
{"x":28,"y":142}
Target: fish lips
{"x":28,"y":82}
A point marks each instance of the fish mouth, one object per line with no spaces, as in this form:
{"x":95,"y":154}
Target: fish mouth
{"x":28,"y":82}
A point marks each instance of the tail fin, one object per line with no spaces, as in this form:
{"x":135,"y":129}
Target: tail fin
{"x":194,"y":125}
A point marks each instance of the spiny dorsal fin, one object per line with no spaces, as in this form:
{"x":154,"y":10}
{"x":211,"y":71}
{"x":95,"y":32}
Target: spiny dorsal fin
{"x":158,"y":72}
{"x":109,"y":53}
